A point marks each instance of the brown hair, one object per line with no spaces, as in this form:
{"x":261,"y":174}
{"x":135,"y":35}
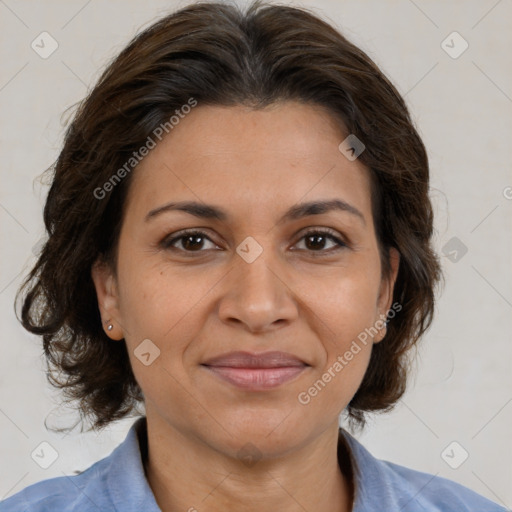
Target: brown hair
{"x":222,"y":55}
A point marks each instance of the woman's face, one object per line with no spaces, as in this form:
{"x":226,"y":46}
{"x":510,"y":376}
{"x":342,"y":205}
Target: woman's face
{"x":263,"y":275}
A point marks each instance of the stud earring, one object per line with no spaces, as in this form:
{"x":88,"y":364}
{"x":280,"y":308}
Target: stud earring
{"x":110,"y":327}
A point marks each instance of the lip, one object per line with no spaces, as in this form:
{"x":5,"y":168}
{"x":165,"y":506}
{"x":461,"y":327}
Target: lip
{"x":273,"y":359}
{"x":256,"y":372}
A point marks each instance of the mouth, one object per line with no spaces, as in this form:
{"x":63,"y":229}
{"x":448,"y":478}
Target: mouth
{"x":256,"y":372}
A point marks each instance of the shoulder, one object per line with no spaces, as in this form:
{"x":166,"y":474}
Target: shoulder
{"x":383,"y":485}
{"x":425,"y":491}
{"x":64,"y":493}
{"x":116,"y":482}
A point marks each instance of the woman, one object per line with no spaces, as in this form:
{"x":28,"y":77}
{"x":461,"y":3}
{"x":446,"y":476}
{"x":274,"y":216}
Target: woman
{"x":240,"y":240}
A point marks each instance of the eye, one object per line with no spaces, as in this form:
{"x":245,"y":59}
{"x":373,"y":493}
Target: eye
{"x":194,"y":240}
{"x":315,"y":240}
{"x":191,"y":241}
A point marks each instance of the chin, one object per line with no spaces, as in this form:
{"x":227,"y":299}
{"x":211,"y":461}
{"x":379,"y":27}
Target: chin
{"x":272,"y":435}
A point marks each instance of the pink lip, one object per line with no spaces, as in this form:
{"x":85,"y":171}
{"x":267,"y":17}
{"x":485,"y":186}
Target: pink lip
{"x":256,"y":371}
{"x":247,"y":360}
{"x":256,"y":379}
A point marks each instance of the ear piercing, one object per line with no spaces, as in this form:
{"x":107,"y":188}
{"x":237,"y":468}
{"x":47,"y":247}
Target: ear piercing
{"x":109,"y":326}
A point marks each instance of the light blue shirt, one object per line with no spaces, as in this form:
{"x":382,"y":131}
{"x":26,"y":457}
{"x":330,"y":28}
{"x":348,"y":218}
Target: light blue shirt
{"x":118,"y":483}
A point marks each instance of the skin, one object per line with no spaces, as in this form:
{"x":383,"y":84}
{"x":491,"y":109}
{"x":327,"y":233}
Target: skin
{"x":309,"y":299}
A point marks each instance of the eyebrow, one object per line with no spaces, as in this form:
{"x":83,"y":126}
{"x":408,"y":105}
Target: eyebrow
{"x":205,"y":211}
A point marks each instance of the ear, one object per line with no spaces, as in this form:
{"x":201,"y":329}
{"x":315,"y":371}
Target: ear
{"x":385,"y":298}
{"x":108,"y":299}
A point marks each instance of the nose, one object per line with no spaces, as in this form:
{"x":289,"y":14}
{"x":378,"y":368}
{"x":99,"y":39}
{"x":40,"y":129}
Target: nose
{"x":258,"y":296}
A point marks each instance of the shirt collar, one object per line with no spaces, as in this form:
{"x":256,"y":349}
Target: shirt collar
{"x":372,"y":487}
{"x":126,"y":479}
{"x":129,"y":489}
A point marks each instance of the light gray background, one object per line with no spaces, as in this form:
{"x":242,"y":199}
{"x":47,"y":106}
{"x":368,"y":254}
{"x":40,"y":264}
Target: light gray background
{"x":462,"y":389}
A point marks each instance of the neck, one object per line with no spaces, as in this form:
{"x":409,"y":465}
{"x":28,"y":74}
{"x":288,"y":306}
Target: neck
{"x":187,"y":475}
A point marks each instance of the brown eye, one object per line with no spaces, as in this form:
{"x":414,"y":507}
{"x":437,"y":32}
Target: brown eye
{"x":191,"y":241}
{"x":316,"y":240}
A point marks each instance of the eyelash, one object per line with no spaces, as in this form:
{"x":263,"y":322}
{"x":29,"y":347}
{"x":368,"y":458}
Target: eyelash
{"x":168,"y":242}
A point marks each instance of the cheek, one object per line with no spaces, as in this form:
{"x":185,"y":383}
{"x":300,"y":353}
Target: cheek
{"x":343,"y":300}
{"x":343,"y":316}
{"x":156,"y":297}
{"x":164,"y":303}
{"x":164,"y":309}
{"x":344,"y":307}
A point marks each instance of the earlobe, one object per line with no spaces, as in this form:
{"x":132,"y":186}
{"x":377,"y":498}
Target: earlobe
{"x":108,"y":301}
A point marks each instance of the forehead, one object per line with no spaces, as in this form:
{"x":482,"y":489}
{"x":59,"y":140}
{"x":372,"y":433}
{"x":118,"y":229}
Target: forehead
{"x":252,"y":160}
